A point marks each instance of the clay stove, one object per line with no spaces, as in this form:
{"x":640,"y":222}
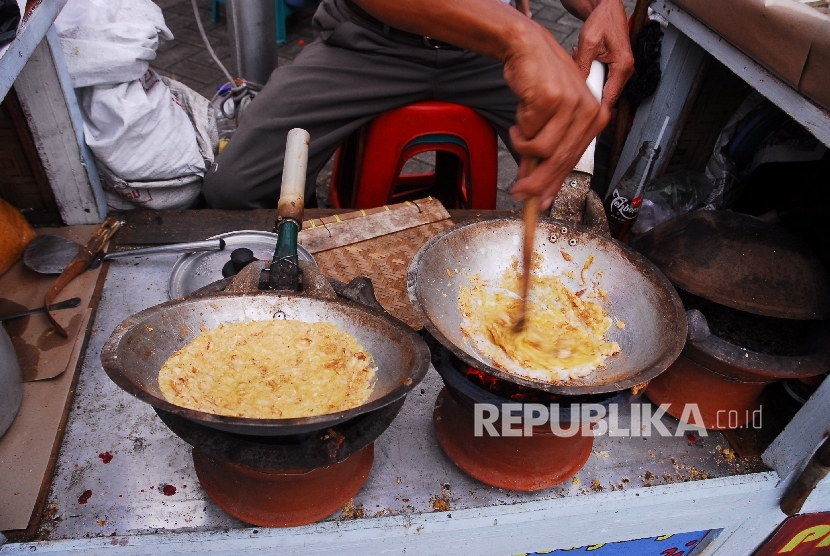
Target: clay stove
{"x":523,"y":463}
{"x":756,"y":301}
{"x":284,"y":481}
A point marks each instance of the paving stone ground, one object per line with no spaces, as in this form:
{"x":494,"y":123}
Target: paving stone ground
{"x":187,"y":60}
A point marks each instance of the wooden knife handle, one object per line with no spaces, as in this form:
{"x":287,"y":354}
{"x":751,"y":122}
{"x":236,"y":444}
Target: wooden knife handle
{"x":799,"y":490}
{"x":79,"y":264}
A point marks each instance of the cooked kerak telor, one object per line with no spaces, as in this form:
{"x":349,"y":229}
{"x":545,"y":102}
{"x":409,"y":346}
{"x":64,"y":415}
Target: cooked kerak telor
{"x":275,"y":369}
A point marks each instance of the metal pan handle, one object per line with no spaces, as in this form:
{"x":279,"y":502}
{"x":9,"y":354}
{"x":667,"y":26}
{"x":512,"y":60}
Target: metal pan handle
{"x":209,"y":245}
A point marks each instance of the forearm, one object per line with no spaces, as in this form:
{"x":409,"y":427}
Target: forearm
{"x":580,"y":8}
{"x":489,"y":27}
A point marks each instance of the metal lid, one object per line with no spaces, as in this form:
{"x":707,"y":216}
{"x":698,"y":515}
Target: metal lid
{"x":196,"y":270}
{"x":741,"y":262}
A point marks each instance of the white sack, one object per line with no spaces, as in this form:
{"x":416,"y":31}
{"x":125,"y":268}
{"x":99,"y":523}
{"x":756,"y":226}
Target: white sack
{"x":178,"y":192}
{"x":139,"y":131}
{"x":106,"y":42}
{"x":152,"y":144}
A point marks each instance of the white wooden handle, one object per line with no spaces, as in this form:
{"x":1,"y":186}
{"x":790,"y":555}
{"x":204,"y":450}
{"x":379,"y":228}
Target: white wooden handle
{"x":595,"y":82}
{"x":292,"y":192}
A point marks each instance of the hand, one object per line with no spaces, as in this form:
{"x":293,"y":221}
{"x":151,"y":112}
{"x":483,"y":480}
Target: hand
{"x":604,"y":37}
{"x":557,"y":116}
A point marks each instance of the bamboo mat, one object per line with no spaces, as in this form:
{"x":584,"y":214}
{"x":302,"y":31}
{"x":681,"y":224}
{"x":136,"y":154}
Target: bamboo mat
{"x":384,"y":259}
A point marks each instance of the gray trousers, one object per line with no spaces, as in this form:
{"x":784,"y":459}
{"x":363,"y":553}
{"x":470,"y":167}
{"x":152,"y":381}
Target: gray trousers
{"x":348,"y":76}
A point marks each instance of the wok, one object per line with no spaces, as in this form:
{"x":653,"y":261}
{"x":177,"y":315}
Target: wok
{"x":637,"y":293}
{"x":139,"y":346}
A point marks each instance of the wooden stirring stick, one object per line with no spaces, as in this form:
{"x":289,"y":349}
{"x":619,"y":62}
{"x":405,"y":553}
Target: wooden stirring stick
{"x":530,"y":216}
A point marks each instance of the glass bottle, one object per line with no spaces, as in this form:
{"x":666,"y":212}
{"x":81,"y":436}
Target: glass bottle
{"x":622,"y":205}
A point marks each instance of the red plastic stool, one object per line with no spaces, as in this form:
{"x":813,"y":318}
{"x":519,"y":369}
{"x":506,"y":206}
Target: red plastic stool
{"x":367,"y":168}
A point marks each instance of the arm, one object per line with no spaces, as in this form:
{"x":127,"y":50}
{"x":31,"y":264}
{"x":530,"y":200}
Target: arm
{"x":557,"y":115}
{"x":524,"y":7}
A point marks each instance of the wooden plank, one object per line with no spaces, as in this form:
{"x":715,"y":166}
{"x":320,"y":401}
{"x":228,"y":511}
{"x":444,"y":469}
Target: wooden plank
{"x":802,"y":435}
{"x":53,"y":116}
{"x":39,"y":510}
{"x":13,"y":57}
{"x":721,"y":92}
{"x":681,"y":62}
{"x":332,"y":232}
{"x":157,"y":227}
{"x":813,"y":117}
{"x":23,"y":183}
{"x":543,"y":525}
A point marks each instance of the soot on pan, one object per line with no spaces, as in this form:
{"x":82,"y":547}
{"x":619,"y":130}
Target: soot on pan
{"x":767,"y":335}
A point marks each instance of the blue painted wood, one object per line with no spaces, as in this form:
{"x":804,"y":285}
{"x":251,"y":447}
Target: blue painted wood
{"x":76,"y":117}
{"x":282,"y":11}
{"x":214,"y":11}
{"x":15,"y":55}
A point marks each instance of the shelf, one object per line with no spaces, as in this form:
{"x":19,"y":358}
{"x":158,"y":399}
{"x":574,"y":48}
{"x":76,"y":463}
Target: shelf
{"x":813,"y":117}
{"x":14,"y":55}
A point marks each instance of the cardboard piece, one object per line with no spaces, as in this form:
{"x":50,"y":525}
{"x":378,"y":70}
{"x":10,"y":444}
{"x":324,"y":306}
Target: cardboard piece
{"x":27,"y":448}
{"x":788,"y":37}
{"x":42,"y":353}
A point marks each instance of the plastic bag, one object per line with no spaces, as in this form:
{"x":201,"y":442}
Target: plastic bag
{"x":167,"y":191}
{"x":139,"y":130}
{"x":147,"y":139}
{"x":671,"y":195}
{"x":10,"y":13}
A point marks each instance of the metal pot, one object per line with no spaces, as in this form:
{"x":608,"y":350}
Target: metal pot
{"x":637,"y":293}
{"x":11,"y":382}
{"x":727,"y":381}
{"x":139,"y":346}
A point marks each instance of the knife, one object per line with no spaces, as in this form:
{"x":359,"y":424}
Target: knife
{"x":79,"y":264}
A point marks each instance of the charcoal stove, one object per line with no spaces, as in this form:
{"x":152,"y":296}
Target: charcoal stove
{"x":283,"y":481}
{"x":522,"y":463}
{"x":757,"y":302}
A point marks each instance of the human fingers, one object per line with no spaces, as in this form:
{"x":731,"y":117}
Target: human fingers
{"x":572,"y":119}
{"x":546,"y":81}
{"x":618,"y":76}
{"x":546,"y":179}
{"x":590,"y":46}
{"x":604,"y":37}
{"x":544,"y":182}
